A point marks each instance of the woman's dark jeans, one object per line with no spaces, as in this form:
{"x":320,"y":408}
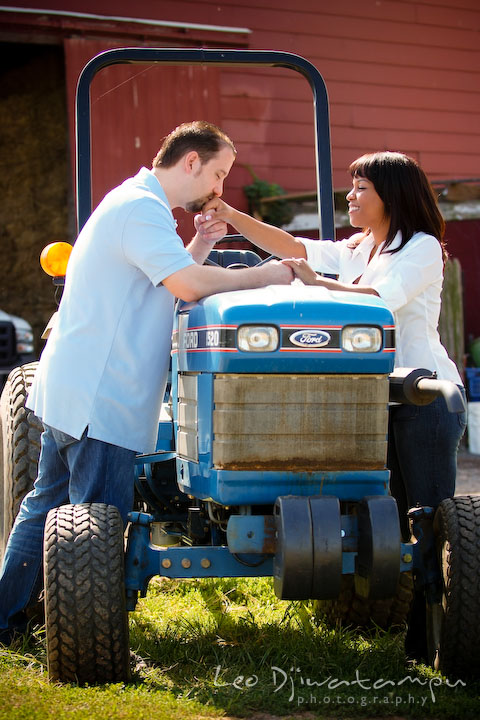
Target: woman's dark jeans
{"x":422,"y":459}
{"x":422,"y":454}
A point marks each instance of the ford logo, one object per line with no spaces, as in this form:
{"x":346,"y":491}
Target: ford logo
{"x":310,"y":338}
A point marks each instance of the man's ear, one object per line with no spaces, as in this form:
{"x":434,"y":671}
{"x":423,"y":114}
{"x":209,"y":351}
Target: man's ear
{"x":191,"y":162}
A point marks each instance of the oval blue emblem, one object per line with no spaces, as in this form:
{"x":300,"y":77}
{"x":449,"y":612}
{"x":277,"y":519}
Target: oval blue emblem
{"x":310,"y":338}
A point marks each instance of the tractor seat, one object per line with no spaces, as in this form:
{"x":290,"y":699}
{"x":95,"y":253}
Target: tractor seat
{"x":238,"y":258}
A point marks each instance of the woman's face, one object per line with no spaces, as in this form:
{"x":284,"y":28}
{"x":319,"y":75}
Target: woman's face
{"x":365,"y":207}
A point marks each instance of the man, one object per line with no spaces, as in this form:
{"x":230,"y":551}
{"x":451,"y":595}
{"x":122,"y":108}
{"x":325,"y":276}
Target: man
{"x":102,"y":375}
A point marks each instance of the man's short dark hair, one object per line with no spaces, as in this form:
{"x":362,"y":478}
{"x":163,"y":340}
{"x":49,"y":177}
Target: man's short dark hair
{"x":203,"y":137}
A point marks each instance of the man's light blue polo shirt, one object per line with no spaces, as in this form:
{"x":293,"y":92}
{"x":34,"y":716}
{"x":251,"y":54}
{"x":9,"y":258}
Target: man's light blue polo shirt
{"x":105,"y":364}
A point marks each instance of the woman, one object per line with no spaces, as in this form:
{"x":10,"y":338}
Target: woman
{"x":399,"y":255}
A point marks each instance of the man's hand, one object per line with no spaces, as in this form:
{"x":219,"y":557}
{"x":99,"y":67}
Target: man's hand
{"x":209,"y":227}
{"x":196,"y":281}
{"x":275,"y":272}
{"x":303,"y":271}
{"x":209,"y":231}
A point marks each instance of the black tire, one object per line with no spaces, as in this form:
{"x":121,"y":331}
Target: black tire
{"x":21,"y":431}
{"x":349,"y":609}
{"x":86,"y":619}
{"x":453,"y":627}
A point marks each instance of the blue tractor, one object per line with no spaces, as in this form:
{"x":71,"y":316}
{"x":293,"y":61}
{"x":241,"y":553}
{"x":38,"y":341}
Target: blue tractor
{"x":270,"y":459}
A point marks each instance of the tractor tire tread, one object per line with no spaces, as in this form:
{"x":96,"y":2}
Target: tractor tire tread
{"x":86,"y":619}
{"x":21,"y":430}
{"x":349,"y":609}
{"x":457,"y":527}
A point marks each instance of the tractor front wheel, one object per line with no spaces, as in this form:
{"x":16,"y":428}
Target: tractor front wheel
{"x":86,"y":619}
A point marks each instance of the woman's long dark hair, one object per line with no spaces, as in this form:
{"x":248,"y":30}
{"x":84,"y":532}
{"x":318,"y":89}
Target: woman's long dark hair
{"x":409,"y":200}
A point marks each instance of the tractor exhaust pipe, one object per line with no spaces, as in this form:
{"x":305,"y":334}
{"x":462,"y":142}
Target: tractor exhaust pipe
{"x":420,"y":387}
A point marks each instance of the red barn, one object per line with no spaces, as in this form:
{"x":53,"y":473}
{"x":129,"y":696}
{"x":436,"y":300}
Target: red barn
{"x":401,"y":75}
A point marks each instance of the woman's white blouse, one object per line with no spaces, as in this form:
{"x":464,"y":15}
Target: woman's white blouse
{"x":410,"y":284}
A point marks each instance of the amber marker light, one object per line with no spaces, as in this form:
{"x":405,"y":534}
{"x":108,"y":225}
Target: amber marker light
{"x":54,"y":258}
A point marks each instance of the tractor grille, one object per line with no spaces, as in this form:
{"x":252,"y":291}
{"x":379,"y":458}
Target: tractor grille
{"x":8,"y":349}
{"x":301,"y":423}
{"x":187,"y":433}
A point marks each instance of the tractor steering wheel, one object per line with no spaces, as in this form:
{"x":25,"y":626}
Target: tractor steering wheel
{"x":234,"y":239}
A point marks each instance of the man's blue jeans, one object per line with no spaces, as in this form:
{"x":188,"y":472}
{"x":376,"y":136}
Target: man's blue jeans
{"x":422,"y":454}
{"x":69,"y":471}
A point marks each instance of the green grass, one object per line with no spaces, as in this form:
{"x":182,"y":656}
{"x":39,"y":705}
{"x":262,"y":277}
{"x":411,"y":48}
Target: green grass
{"x":212,"y":648}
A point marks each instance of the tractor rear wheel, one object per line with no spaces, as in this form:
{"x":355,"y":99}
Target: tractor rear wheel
{"x":21,"y":431}
{"x":86,"y":619}
{"x":454,"y":625}
{"x":351,"y":609}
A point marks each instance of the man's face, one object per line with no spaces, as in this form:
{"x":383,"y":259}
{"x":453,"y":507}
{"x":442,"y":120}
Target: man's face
{"x":209,"y":178}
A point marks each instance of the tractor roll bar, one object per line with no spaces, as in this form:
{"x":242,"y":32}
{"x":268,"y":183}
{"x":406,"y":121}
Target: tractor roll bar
{"x":170,"y":56}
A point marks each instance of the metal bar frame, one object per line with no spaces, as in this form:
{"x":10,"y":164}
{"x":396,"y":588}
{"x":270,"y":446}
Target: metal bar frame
{"x":216,"y":57}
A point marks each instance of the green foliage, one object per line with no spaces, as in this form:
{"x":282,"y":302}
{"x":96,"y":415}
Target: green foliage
{"x":276,"y":213}
{"x":207,"y":648}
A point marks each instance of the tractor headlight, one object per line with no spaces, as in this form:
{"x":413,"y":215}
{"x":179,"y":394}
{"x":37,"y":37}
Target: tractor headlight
{"x":361,"y":339}
{"x":257,"y":338}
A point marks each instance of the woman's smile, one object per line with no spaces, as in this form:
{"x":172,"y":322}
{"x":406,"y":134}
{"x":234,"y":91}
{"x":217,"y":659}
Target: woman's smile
{"x":366,"y":208}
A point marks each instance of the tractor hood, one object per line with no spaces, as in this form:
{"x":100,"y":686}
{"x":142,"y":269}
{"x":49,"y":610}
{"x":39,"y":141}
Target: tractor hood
{"x":312,"y":330}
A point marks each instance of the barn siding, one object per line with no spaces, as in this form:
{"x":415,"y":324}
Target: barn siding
{"x":132,"y":108}
{"x":401,"y":74}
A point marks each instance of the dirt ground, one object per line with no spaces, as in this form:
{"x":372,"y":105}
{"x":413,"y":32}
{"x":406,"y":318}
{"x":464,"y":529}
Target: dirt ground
{"x":468,"y":474}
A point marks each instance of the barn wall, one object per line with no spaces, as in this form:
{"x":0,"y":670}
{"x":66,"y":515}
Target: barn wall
{"x":401,"y":74}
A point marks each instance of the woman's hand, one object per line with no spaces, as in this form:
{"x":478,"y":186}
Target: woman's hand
{"x":308,"y":276}
{"x":303,"y":271}
{"x":219,"y":208}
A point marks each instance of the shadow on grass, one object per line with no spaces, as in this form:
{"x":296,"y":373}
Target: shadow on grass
{"x":242,"y":650}
{"x":233,"y":648}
